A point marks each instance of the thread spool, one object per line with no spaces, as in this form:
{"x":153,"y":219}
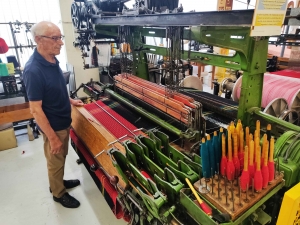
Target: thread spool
{"x":226,"y":84}
{"x":275,"y":87}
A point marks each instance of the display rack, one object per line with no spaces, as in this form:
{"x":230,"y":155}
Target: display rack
{"x":13,"y":84}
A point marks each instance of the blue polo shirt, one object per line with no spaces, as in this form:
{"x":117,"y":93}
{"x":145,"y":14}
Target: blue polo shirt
{"x":44,"y":82}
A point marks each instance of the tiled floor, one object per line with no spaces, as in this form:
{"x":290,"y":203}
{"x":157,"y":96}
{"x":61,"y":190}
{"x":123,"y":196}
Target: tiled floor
{"x":25,"y":197}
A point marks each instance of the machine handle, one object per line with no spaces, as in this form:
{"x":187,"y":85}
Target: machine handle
{"x":202,"y":204}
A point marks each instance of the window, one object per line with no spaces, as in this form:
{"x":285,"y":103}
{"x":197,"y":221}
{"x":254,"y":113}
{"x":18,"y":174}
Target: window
{"x":31,"y":11}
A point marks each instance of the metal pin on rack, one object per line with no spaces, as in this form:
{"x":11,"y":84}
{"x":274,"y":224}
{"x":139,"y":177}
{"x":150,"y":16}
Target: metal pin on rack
{"x":232,"y":196}
{"x":212,"y":182}
{"x":224,"y":177}
{"x":219,"y":198}
{"x":226,"y":194}
{"x":252,"y":193}
{"x":247,"y":200}
{"x":231,"y":182}
{"x":218,"y":170}
{"x":236,"y":177}
{"x":200,"y":178}
{"x":240,"y":203}
{"x":237,"y":181}
{"x":225,"y":182}
{"x":203,"y":188}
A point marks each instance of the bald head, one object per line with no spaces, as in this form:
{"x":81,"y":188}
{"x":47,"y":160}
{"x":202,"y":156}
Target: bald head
{"x":42,"y":28}
{"x":48,"y":39}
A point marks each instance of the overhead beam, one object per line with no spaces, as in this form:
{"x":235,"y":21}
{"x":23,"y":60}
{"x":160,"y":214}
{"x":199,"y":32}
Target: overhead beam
{"x":215,"y":18}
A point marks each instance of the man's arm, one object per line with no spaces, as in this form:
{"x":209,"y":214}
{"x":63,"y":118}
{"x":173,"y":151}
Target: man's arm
{"x":76,"y":102}
{"x":43,"y":122}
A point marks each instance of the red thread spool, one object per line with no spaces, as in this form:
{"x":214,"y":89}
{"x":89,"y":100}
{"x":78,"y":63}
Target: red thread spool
{"x":236,"y":160}
{"x":241,"y":151}
{"x":245,"y":177}
{"x":271,"y":161}
{"x":230,"y":169}
{"x":251,"y":165}
{"x":223,"y":164}
{"x":265,"y":168}
{"x":258,"y":179}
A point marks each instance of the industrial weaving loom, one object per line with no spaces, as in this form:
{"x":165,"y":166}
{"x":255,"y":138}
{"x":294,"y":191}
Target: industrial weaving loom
{"x":168,"y":154}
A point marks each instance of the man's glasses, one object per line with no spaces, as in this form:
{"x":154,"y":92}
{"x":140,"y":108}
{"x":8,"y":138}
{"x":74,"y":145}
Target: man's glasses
{"x":55,"y":38}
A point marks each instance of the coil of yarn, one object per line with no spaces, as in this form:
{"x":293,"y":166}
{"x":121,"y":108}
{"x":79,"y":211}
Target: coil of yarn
{"x":275,"y":87}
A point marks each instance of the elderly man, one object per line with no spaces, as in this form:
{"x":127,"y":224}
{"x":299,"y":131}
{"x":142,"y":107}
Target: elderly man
{"x":51,"y":106}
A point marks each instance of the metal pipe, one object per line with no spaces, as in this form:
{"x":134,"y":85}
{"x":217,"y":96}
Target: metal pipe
{"x":272,"y":119}
{"x":135,"y":203}
{"x":15,"y":41}
{"x":148,"y":115}
{"x":134,"y":135}
{"x":283,"y":46}
{"x":229,"y":86}
{"x":23,"y":46}
{"x":222,"y":18}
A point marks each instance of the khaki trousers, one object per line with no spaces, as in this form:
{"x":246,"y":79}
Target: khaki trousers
{"x":56,"y":163}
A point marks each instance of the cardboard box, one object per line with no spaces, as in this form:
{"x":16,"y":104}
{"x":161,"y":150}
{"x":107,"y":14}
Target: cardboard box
{"x":7,"y":137}
{"x":10,"y":68}
{"x":3,"y":69}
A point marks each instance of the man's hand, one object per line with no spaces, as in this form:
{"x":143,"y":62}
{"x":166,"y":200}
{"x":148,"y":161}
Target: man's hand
{"x":56,"y":146}
{"x":42,"y":121}
{"x":76,"y":102}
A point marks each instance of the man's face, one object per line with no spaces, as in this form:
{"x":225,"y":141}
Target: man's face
{"x":51,"y":41}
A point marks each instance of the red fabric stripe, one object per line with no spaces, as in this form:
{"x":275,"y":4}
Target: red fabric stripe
{"x":287,"y":73}
{"x":112,"y":125}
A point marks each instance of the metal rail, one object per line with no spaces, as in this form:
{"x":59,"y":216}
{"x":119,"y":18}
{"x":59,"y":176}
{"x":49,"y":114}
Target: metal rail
{"x":145,"y":113}
{"x":133,"y":134}
{"x":215,"y":18}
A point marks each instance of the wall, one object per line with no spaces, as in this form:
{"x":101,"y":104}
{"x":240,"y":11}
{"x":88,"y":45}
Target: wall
{"x":73,"y":55}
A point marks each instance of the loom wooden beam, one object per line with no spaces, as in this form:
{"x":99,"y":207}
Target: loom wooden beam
{"x":96,"y":138}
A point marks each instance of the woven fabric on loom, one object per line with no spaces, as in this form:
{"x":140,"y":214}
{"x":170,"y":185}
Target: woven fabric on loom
{"x":288,"y":73}
{"x":113,"y":126}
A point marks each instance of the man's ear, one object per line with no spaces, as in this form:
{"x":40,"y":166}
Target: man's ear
{"x":37,"y":39}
